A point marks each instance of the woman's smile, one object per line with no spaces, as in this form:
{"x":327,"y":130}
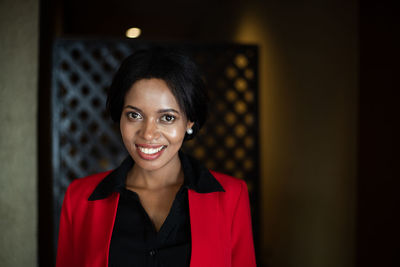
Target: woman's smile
{"x":150,"y":152}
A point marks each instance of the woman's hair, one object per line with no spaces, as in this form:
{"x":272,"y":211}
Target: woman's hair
{"x":172,"y":66}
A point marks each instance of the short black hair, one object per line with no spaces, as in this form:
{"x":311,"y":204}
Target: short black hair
{"x":173,"y":66}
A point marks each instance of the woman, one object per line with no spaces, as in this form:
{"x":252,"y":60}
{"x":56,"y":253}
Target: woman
{"x":160,"y":207}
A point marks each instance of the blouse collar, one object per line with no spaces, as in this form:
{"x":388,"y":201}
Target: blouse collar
{"x":197,"y":178}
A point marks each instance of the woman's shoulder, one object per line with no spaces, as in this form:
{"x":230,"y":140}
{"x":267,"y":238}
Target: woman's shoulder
{"x":229,"y":183}
{"x":86,"y":185}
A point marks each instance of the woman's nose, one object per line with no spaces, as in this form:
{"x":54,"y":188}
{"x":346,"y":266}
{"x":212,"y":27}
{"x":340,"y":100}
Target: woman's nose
{"x":150,"y":130}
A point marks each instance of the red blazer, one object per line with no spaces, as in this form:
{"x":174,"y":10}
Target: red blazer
{"x":220,"y":225}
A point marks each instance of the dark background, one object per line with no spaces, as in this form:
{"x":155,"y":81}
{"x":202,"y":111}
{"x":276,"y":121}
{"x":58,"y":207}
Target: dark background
{"x":311,"y":36}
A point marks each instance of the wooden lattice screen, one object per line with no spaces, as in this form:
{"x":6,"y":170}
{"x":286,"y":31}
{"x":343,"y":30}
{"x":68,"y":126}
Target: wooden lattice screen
{"x":85,"y":141}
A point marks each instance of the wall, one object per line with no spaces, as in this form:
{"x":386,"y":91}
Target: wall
{"x":378,"y":195}
{"x":19,"y":31}
{"x":308,"y":118}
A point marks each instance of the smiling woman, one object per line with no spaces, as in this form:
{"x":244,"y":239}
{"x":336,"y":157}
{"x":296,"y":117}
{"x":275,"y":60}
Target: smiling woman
{"x":160,"y":207}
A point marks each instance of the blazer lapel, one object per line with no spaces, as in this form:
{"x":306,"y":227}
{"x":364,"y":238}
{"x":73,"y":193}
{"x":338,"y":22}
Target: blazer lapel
{"x":207,"y":249}
{"x":98,"y":233}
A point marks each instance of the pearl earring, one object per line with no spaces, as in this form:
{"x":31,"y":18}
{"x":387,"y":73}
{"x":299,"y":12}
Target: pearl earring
{"x":189,"y":131}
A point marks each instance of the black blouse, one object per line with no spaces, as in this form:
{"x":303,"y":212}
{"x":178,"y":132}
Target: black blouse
{"x":134,"y":241}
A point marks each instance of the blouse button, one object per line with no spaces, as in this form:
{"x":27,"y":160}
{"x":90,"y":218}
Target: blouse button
{"x":152,"y":252}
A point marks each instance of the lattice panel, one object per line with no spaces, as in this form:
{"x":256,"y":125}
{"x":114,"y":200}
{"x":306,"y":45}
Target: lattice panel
{"x":228,"y":142}
{"x":85,"y":141}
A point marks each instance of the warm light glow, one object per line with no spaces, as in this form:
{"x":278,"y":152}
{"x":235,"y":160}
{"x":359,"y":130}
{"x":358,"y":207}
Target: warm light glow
{"x":133,"y":33}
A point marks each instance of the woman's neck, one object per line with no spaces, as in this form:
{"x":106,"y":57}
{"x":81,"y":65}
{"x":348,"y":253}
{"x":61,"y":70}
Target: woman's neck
{"x":168,"y":175}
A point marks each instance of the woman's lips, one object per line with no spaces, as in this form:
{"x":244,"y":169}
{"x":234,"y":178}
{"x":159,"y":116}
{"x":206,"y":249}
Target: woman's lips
{"x":150,"y":152}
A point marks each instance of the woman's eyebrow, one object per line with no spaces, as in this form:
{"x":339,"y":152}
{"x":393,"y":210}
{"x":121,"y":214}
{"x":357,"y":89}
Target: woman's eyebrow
{"x":168,"y":110}
{"x":132,"y":107}
{"x":159,"y":111}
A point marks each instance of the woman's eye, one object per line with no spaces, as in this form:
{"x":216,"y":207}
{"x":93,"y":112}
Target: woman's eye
{"x":168,"y":118}
{"x":134,"y":116}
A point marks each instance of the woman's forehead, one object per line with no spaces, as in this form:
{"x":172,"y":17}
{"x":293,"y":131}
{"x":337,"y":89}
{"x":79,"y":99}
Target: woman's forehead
{"x":153,"y":94}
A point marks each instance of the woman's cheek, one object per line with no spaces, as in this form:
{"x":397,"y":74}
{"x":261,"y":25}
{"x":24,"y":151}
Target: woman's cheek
{"x":174,"y":135}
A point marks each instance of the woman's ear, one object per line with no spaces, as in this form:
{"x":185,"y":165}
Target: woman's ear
{"x":189,"y":124}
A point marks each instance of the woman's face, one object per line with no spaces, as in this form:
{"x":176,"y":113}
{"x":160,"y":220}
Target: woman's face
{"x":152,"y":124}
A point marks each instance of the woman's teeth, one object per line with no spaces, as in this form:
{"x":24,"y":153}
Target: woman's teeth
{"x":150,"y":151}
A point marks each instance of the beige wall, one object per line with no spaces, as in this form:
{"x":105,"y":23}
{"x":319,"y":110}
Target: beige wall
{"x":308,"y":118}
{"x":19,"y":21}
